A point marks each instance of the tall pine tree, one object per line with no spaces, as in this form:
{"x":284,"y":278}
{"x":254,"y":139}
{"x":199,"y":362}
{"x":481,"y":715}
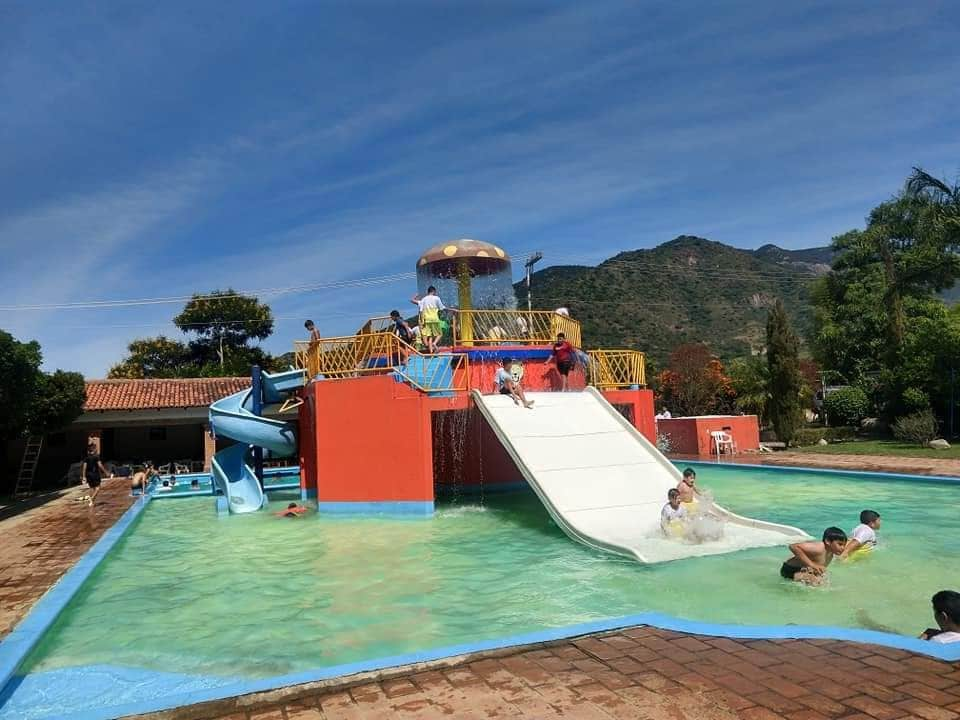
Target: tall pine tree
{"x":783,"y":361}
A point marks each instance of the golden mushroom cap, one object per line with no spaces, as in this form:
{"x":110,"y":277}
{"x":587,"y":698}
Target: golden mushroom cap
{"x":444,"y":259}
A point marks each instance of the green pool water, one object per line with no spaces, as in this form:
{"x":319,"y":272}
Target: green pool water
{"x":258,"y":595}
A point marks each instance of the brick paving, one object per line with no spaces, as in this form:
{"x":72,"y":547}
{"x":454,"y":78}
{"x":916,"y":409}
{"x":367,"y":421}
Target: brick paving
{"x":41,"y":544}
{"x":869,"y":463}
{"x":641,"y":672}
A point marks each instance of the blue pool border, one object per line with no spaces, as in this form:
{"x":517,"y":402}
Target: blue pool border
{"x":406,"y":508}
{"x":657,"y":620}
{"x":15,"y":647}
{"x":18,"y":644}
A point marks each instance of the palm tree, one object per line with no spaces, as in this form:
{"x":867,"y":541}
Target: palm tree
{"x":943,"y":199}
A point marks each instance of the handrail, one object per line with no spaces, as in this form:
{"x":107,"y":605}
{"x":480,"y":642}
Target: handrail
{"x":610,"y":369}
{"x":513,"y":327}
{"x":378,"y":353}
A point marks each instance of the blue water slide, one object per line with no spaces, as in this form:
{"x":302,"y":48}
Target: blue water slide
{"x":233,"y":417}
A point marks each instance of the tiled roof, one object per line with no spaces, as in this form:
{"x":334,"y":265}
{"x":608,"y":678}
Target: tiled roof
{"x":154,"y":394}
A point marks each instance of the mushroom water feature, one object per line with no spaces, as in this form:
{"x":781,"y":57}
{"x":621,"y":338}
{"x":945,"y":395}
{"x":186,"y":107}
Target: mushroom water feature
{"x":481,"y":273}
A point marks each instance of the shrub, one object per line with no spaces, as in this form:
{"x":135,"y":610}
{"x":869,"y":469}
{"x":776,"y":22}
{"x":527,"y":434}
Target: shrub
{"x":919,"y":427}
{"x":915,"y":400}
{"x":847,"y":406}
{"x":664,"y":443}
{"x":811,"y":436}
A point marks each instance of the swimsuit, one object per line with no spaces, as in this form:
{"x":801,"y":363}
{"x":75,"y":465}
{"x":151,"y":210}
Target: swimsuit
{"x":787,"y":571}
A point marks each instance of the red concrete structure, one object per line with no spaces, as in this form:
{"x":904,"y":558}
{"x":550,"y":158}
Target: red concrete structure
{"x":691,"y":435}
{"x":373,"y":444}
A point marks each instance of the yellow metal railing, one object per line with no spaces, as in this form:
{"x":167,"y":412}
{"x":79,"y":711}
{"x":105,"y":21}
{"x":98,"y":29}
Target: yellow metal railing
{"x":497,"y":327}
{"x":611,"y":369}
{"x":378,"y":353}
{"x":513,"y":327}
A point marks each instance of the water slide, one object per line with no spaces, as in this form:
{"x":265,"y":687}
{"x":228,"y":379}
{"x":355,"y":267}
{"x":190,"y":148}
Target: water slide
{"x":603,"y":482}
{"x":233,"y":417}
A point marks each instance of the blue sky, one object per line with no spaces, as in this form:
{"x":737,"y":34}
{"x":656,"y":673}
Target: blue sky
{"x":157,"y":149}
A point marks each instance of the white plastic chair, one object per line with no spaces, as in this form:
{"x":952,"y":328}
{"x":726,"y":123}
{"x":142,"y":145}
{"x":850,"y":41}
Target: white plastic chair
{"x":721,"y":440}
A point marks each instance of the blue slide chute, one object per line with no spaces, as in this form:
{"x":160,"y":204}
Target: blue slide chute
{"x":234,"y":417}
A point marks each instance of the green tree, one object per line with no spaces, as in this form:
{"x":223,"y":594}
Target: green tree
{"x":786,"y":383}
{"x":943,"y":199}
{"x":19,"y":373}
{"x":58,"y":401}
{"x":750,"y":378}
{"x":158,"y":357}
{"x":223,"y":323}
{"x":33,"y":401}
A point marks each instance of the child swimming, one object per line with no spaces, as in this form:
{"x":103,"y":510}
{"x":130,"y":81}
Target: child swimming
{"x":864,"y":535}
{"x":293,"y":510}
{"x":810,"y":559}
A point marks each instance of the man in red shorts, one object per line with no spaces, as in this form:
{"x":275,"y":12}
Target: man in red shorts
{"x":564,"y":354}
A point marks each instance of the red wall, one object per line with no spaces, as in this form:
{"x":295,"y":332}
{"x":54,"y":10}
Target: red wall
{"x":536,"y":376}
{"x":467,"y":452}
{"x":372,"y":441}
{"x":691,"y":435}
{"x":640,"y":403}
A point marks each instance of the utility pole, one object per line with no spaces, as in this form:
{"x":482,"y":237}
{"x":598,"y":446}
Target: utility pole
{"x":531,"y":261}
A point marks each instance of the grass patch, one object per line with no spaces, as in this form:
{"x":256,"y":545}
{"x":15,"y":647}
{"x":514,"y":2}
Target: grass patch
{"x":882,"y":447}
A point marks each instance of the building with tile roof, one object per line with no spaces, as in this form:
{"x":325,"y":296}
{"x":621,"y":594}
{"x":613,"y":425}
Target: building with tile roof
{"x":133,"y":421}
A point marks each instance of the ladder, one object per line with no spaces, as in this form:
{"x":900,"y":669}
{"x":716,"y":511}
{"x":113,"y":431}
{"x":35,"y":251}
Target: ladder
{"x":28,"y":466}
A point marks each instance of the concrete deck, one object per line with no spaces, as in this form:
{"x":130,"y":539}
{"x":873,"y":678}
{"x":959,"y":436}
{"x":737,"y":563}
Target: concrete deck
{"x":868,"y":463}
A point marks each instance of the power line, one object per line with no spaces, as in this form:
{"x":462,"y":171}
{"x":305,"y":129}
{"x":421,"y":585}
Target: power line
{"x":263,"y":292}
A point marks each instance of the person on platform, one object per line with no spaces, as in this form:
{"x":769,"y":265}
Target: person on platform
{"x":430,"y":307}
{"x":314,"y":333}
{"x":564,"y":355}
{"x":664,"y":414}
{"x":506,"y":385}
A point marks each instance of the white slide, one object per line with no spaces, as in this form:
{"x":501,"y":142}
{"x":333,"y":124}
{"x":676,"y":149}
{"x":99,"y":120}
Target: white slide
{"x":603,"y":482}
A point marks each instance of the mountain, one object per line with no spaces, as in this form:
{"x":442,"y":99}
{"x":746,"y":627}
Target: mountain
{"x":686,"y":290}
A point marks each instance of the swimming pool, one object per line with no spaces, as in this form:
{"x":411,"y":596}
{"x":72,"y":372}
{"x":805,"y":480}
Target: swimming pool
{"x":189,"y":600}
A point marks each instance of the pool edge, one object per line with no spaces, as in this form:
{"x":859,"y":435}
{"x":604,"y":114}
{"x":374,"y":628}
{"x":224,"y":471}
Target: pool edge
{"x":398,"y":662}
{"x":15,"y":647}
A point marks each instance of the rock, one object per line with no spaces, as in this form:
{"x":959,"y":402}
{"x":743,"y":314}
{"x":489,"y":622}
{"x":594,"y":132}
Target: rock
{"x":822,"y":441}
{"x":939,"y":444}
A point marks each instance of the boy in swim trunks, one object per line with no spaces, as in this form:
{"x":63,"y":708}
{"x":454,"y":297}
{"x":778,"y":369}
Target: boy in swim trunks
{"x":810,"y":559}
{"x":430,"y":306}
{"x":864,"y":535}
{"x":687,"y":487}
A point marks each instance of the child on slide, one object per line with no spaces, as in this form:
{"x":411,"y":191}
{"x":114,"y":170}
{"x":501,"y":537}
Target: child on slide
{"x":863,"y":539}
{"x":809,"y":561}
{"x":673,"y":515}
{"x":687,"y":487}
